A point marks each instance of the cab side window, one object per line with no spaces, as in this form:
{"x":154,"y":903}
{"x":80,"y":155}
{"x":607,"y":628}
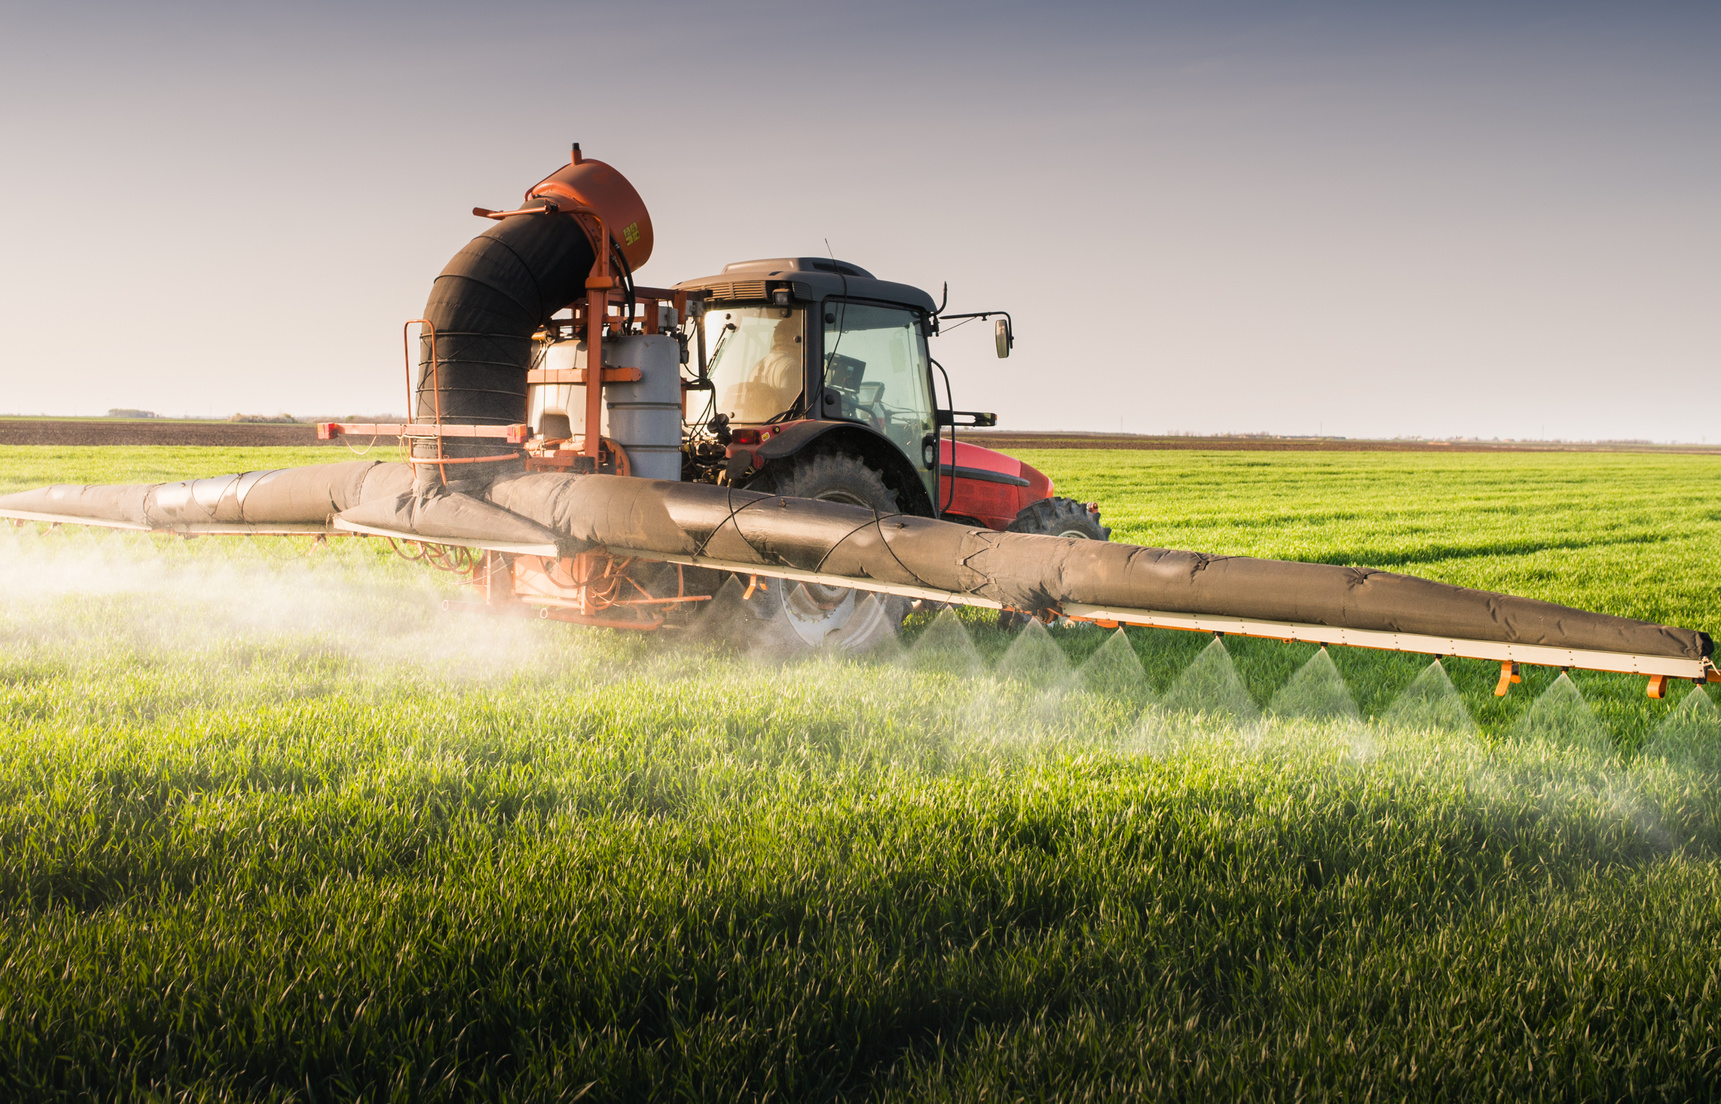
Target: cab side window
{"x":875,"y":372}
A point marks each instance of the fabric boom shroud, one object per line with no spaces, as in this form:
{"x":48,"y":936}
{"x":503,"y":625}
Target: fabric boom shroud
{"x":1021,"y":571}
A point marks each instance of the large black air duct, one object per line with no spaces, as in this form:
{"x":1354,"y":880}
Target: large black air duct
{"x":484,"y":308}
{"x":508,"y":281}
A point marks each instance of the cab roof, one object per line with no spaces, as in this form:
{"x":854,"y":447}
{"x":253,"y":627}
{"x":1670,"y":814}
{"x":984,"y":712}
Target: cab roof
{"x":811,"y":279}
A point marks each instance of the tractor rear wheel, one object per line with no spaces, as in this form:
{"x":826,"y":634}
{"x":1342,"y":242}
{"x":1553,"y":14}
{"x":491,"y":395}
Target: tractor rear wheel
{"x":1060,"y":517}
{"x":813,"y":614}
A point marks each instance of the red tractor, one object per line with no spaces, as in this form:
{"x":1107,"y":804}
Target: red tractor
{"x":812,"y":378}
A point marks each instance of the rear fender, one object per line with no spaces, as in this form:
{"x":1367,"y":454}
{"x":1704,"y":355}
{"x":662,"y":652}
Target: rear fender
{"x":875,"y":450}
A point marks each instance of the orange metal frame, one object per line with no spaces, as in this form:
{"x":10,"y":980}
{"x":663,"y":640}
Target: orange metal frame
{"x":591,"y":588}
{"x":585,"y":587}
{"x":581,"y":588}
{"x":595,"y":196}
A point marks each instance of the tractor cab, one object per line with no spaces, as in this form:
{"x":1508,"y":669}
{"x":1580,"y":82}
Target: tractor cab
{"x":813,"y":378}
{"x":802,"y":352}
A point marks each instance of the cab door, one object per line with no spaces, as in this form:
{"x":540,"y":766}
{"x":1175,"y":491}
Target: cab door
{"x":875,"y":370}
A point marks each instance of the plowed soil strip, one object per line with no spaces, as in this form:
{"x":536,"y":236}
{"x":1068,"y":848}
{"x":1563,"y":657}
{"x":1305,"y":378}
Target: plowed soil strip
{"x":102,"y":431}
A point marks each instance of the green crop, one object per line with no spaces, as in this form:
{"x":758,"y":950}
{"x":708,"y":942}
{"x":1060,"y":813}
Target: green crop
{"x":1638,"y":535}
{"x":23,"y":467}
{"x":274,"y":826}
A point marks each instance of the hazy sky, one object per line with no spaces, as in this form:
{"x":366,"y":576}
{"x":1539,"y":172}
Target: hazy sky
{"x":1363,"y":219}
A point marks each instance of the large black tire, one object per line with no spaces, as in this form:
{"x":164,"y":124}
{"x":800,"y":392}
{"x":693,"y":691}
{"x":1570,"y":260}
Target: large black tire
{"x":1060,"y":517}
{"x":812,"y":614}
{"x":1053,"y":517}
{"x":831,"y":476}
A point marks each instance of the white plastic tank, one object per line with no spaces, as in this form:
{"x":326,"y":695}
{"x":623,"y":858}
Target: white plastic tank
{"x":644,"y":417}
{"x":558,"y":410}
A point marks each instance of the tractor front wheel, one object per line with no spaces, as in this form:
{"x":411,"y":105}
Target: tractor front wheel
{"x":1060,"y":517}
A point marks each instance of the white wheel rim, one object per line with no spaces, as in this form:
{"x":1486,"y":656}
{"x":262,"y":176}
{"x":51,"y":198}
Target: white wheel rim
{"x":831,"y":616}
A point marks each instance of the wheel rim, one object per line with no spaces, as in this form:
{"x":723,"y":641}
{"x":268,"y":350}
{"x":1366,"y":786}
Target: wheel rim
{"x":1076,"y":533}
{"x":831,"y":615}
{"x":844,"y":497}
{"x":853,"y":623}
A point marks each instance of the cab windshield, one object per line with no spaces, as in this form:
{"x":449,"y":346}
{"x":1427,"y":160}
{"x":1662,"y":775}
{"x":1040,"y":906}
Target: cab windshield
{"x":756,"y":362}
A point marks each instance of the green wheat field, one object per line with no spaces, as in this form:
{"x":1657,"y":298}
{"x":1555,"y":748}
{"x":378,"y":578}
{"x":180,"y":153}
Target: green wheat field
{"x":273,"y":826}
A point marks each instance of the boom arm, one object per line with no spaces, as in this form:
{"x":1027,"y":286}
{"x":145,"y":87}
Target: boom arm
{"x":758,"y":535}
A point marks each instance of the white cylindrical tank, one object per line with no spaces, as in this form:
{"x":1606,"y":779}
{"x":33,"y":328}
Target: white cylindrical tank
{"x":643,"y":417}
{"x":558,"y":410}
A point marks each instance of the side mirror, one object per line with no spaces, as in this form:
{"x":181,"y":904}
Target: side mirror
{"x":1003,"y":336}
{"x":985,"y":419}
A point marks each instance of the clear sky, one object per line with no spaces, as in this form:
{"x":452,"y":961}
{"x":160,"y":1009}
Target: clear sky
{"x":1365,"y":219}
